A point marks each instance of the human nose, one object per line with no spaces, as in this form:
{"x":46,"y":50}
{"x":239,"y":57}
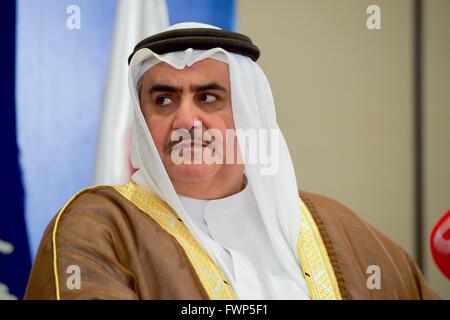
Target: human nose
{"x":186,"y":115}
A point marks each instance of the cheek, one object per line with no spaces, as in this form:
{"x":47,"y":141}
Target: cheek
{"x":159,"y":129}
{"x":218,"y":123}
{"x":228,"y":119}
{"x":223,"y":124}
{"x":230,"y":146}
{"x":224,"y":120}
{"x":229,"y":123}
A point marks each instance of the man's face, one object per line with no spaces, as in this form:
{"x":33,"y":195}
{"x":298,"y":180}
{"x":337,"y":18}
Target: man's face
{"x":173,"y":99}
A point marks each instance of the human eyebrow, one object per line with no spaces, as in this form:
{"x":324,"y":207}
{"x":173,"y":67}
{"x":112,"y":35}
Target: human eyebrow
{"x":164,"y":88}
{"x":208,"y":86}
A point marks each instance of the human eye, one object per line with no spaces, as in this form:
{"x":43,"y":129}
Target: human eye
{"x":164,"y":101}
{"x":208,"y":98}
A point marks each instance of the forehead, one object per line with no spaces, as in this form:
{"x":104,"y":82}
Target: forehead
{"x":208,"y":70}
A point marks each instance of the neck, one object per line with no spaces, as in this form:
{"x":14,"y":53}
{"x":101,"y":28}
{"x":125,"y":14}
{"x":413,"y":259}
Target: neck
{"x":209,"y":190}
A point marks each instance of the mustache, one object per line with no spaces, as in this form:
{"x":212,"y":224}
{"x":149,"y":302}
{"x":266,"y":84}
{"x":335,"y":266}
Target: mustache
{"x":168,"y":146}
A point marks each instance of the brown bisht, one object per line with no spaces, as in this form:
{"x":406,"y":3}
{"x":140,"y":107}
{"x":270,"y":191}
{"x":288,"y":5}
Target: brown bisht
{"x":120,"y":242}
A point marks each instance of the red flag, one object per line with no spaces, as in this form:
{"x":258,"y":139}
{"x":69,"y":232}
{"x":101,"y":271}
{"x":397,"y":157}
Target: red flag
{"x":440,"y":244}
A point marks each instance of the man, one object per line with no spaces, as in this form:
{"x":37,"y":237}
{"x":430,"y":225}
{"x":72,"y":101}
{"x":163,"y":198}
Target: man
{"x":209,"y":214}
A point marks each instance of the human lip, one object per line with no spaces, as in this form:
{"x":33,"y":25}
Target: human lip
{"x":190,"y":144}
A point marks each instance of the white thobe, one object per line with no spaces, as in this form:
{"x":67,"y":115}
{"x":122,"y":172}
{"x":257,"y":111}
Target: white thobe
{"x":235,"y":224}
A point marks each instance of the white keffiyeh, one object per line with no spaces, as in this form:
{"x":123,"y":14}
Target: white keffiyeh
{"x":275,"y":194}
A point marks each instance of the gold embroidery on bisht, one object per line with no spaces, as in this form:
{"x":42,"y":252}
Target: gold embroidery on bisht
{"x":209,"y":273}
{"x":314,"y":260}
{"x":316,"y":265}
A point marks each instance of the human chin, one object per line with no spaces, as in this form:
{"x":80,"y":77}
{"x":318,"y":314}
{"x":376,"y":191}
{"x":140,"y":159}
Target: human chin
{"x":191,"y":172}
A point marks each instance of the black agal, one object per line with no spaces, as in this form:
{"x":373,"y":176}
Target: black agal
{"x":201,"y":39}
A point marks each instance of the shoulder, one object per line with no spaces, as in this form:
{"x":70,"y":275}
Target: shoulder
{"x":90,"y":214}
{"x":354,"y":246}
{"x":327,"y":207}
{"x":106,"y":212}
{"x":91,"y":197}
{"x":349,"y":231}
{"x":91,"y":231}
{"x":96,"y":213}
{"x":98,"y":203}
{"x":331,"y":212}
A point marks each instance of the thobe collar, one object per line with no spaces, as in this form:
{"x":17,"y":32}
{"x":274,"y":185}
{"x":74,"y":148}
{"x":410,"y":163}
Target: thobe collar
{"x":201,"y":211}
